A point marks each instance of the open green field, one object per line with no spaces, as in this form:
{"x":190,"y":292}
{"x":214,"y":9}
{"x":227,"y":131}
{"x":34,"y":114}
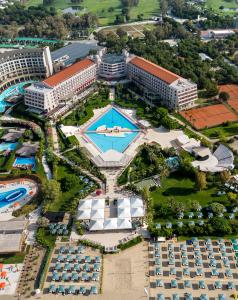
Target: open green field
{"x":221,"y":131}
{"x":184,"y":190}
{"x":148,"y":8}
{"x":215,"y":4}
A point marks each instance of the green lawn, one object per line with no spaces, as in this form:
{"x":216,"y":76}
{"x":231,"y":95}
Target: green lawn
{"x":183,"y":190}
{"x":16,"y":258}
{"x":215,"y":4}
{"x":148,"y":8}
{"x":221,"y":131}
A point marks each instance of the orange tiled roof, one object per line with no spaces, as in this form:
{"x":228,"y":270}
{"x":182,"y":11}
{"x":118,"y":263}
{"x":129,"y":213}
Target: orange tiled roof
{"x":154,"y":69}
{"x":68,"y":72}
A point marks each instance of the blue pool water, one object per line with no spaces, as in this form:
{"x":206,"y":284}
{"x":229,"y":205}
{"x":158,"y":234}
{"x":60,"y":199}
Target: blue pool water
{"x":8,"y":146}
{"x":25,"y":161}
{"x":111,"y":119}
{"x":12,"y":196}
{"x":12,"y":91}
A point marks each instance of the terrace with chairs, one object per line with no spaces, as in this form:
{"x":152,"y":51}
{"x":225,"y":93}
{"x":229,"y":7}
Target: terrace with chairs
{"x":193,"y":269}
{"x":74,"y":270}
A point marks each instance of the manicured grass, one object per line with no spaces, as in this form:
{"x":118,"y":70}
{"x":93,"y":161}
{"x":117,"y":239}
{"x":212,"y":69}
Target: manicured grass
{"x":15,"y":258}
{"x":148,"y":8}
{"x":215,"y":4}
{"x":183,"y":190}
{"x":222,"y":131}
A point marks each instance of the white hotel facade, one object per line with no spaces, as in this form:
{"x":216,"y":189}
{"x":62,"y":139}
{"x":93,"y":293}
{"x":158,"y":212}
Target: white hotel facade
{"x":24,"y":64}
{"x":158,"y":84}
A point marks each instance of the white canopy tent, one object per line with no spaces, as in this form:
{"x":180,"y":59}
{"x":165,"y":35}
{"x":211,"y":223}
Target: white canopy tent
{"x":137,"y":202}
{"x":97,"y":213}
{"x":123,"y":202}
{"x":110,"y":224}
{"x":137,"y":212}
{"x":84,"y":214}
{"x":124,"y":212}
{"x":85,"y":204}
{"x":96,"y":225}
{"x":98,"y":203}
{"x":124,"y":223}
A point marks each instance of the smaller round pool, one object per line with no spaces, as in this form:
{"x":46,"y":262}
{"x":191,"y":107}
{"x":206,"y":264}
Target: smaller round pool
{"x":9,"y":197}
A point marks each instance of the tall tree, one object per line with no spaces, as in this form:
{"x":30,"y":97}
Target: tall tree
{"x":201,"y":180}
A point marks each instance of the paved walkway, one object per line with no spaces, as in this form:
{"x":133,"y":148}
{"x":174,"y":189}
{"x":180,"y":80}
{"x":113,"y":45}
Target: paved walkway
{"x":47,"y":170}
{"x":55,"y":139}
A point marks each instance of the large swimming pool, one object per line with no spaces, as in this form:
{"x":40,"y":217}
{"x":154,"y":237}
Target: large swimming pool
{"x":25,"y":161}
{"x":12,"y":196}
{"x":111,"y":119}
{"x":12,"y":91}
{"x":8,"y":146}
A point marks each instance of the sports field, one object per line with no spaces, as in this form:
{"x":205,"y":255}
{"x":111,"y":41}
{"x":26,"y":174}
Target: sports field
{"x":229,"y":6}
{"x":232,"y":90}
{"x":106,"y":10}
{"x":132,"y":30}
{"x":209,"y":116}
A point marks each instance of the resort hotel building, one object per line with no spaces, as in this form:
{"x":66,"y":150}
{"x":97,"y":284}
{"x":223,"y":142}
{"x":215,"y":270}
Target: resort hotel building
{"x":158,"y":85}
{"x":24,"y":64}
{"x":58,"y":88}
{"x":161,"y":85}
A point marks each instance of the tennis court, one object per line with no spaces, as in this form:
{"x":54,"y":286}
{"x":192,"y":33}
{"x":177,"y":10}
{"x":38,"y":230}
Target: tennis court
{"x":232,"y":90}
{"x":209,"y":116}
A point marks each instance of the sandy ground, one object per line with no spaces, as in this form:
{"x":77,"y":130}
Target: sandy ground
{"x":13,"y":276}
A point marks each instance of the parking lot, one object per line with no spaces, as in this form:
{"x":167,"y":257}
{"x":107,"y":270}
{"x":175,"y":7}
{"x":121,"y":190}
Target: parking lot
{"x":195,"y":270}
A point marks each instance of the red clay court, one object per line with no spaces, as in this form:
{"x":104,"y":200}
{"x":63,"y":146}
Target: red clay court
{"x":232,"y":90}
{"x":209,"y":116}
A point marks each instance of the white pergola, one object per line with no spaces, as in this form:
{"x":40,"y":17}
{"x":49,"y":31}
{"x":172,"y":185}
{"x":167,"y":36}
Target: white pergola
{"x":137,"y":212}
{"x":98,"y":203}
{"x":110,"y":224}
{"x":124,"y":212}
{"x":124,"y":223}
{"x":96,"y":225}
{"x":84,"y":214}
{"x":97,"y":214}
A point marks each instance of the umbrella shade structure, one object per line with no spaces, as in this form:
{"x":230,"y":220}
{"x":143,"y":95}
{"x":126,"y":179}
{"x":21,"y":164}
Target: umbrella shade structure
{"x":65,"y":277}
{"x":213,"y":263}
{"x":69,"y":258}
{"x":87,"y":268}
{"x":188,"y":296}
{"x":55,"y":277}
{"x":97,"y":214}
{"x":187,"y":284}
{"x":168,"y":225}
{"x":71,"y":250}
{"x":88,"y":259}
{"x":77,"y":267}
{"x":160,"y":297}
{"x":230,"y":285}
{"x":222,"y":297}
{"x":157,"y":246}
{"x":191,"y":223}
{"x":186,"y":272}
{"x":52,"y":289}
{"x":199,"y":272}
{"x":201,"y":284}
{"x":217,"y":285}
{"x":208,"y":242}
{"x":80,"y":249}
{"x":198,"y":262}
{"x":234,"y":241}
{"x":228,"y":273}
{"x":184,"y":262}
{"x":82,"y":290}
{"x":180,"y":215}
{"x":158,"y":271}
{"x":211,"y":255}
{"x":215,"y":272}
{"x":60,"y":231}
{"x":72,"y":289}
{"x":199,"y":215}
{"x":68,"y":267}
{"x":97,"y":259}
{"x":93,"y":290}
{"x":190,"y":215}
{"x":203,"y":297}
{"x":58,"y":266}
{"x":157,"y":254}
{"x":157,"y":262}
{"x":200,"y":222}
{"x":175,"y":297}
{"x":60,"y":258}
{"x":197,"y":254}
{"x":183,"y":247}
{"x":96,"y":267}
{"x":78,"y":258}
{"x":75,"y":277}
{"x":235,"y":248}
{"x":61,"y":289}
{"x":85,"y":277}
{"x":62,"y":249}
{"x":158,"y":226}
{"x":184,"y":254}
{"x":159,"y":283}
{"x":171,"y":261}
{"x":95,"y":277}
{"x":180,"y":224}
{"x":172,"y":271}
{"x":98,"y":204}
{"x":174,"y":283}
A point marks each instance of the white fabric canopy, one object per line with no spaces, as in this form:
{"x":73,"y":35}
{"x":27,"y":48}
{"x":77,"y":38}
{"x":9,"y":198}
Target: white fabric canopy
{"x":110,"y":223}
{"x":124,"y":223}
{"x":98,"y":203}
{"x":85,"y":204}
{"x":137,"y":202}
{"x":124,"y":202}
{"x":124,"y":212}
{"x":97,"y":213}
{"x":96,"y":225}
{"x":137,"y":212}
{"x":84,"y":214}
